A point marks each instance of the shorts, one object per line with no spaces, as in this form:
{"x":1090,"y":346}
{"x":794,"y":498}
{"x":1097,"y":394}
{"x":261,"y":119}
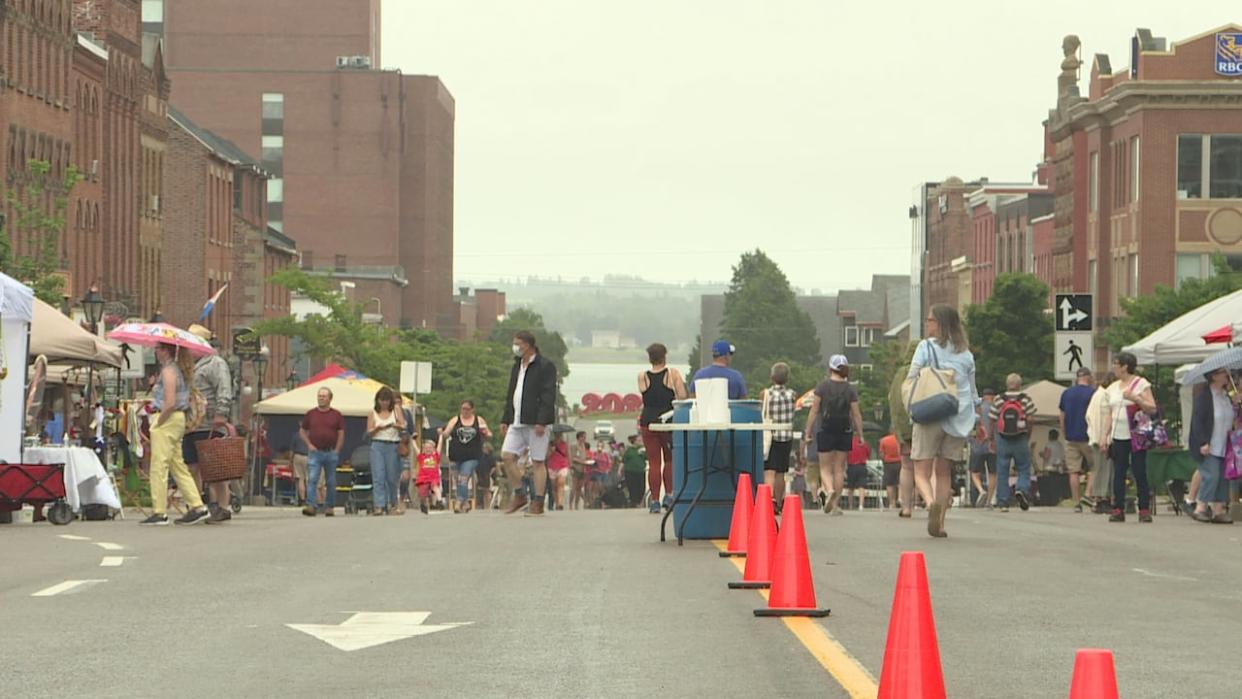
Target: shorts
{"x":931,"y":442}
{"x":778,"y":457}
{"x":835,"y":440}
{"x":189,"y":445}
{"x":598,"y":477}
{"x":520,"y":438}
{"x":1079,"y":457}
{"x":892,"y":475}
{"x":299,"y":466}
{"x":980,"y":461}
{"x":856,"y":476}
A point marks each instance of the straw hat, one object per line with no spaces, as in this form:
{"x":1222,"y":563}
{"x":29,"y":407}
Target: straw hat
{"x":202,"y":333}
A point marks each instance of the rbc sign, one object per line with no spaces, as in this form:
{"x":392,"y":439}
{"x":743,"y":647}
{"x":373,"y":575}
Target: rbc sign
{"x":1229,"y":54}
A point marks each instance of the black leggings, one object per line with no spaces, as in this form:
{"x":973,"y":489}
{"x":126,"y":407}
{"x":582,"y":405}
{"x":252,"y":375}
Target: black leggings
{"x":636,"y":485}
{"x":1124,"y":458}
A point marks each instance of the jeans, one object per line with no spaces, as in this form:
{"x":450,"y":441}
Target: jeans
{"x":321,"y":462}
{"x":464,"y":471}
{"x":1212,"y":484}
{"x":385,"y":474}
{"x":1017,"y":449}
{"x":1125,"y":459}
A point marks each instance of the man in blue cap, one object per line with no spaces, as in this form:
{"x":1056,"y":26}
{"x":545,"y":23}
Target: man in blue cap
{"x":722,"y":354}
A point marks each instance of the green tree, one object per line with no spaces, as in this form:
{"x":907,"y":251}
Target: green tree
{"x":888,"y":358}
{"x":696,"y":353}
{"x":38,"y":203}
{"x":1144,"y":315}
{"x":1011,"y":332}
{"x":762,"y":318}
{"x":551,"y":344}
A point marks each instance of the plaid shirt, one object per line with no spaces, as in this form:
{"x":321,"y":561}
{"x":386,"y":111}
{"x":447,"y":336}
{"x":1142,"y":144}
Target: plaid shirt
{"x":780,"y":405}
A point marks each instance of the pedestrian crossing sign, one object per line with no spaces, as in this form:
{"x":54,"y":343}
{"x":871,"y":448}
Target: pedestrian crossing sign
{"x":1073,"y":351}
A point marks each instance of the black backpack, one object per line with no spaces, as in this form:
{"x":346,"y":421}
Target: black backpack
{"x":837,"y":404}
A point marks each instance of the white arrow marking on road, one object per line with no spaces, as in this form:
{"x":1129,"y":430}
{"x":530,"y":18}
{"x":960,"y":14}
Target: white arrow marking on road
{"x":1150,"y":574}
{"x":366,"y":629}
{"x":67,"y":587}
{"x":109,"y":547}
{"x":72,"y":537}
{"x":112,"y":561}
{"x":1069,"y":314}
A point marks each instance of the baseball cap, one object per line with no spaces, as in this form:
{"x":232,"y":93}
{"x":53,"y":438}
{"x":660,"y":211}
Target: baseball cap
{"x":837,"y":361}
{"x":722,"y":347}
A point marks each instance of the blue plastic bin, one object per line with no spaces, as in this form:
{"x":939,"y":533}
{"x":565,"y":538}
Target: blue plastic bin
{"x":713,"y":514}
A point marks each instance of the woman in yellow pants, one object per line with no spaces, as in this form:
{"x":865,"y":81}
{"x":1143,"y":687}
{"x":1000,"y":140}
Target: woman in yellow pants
{"x":171,"y":396}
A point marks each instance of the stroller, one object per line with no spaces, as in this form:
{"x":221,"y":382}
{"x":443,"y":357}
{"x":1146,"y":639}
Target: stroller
{"x":360,"y":483}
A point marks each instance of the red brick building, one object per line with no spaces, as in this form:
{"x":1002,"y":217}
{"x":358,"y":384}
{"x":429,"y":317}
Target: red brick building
{"x":153,"y":125}
{"x":36,"y":99}
{"x":84,"y":222}
{"x":363,"y":158}
{"x":1004,"y":233}
{"x":1147,"y":166}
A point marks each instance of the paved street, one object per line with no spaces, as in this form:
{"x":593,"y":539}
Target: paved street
{"x":590,"y":604}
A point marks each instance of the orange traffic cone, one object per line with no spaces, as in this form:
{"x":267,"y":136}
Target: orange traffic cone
{"x":793,"y":591}
{"x":739,"y":530}
{"x":1094,"y":675}
{"x":760,"y":543}
{"x":911,"y":655}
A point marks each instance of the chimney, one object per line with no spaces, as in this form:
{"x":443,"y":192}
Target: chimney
{"x":465,"y":291}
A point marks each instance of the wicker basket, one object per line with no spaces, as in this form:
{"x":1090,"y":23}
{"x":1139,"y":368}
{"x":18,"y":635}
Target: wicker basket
{"x":222,"y":458}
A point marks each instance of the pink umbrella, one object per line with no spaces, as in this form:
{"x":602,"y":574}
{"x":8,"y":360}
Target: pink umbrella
{"x":153,"y":334}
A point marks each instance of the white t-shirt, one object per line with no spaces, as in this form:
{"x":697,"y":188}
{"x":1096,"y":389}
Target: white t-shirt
{"x":517,"y":393}
{"x":1119,"y":405}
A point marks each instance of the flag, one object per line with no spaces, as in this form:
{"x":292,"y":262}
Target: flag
{"x":211,"y":304}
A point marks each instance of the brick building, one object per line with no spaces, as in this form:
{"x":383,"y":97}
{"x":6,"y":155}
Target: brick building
{"x":1147,"y":167}
{"x":116,"y":26}
{"x":948,"y":237}
{"x":1004,"y":239}
{"x":362,"y":158}
{"x":153,"y":139}
{"x":84,"y":222}
{"x":478,"y":312}
{"x":36,"y":100}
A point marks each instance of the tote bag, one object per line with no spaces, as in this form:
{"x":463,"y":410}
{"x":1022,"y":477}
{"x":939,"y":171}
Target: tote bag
{"x":931,"y":395}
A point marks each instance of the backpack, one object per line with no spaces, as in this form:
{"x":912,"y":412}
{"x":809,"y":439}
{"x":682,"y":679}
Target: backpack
{"x":1011,"y":420}
{"x":837,"y":405}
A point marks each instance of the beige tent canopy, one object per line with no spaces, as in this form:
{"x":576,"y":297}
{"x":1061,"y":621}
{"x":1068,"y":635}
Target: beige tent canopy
{"x":1047,"y":398}
{"x":62,"y":341}
{"x":353,"y":397}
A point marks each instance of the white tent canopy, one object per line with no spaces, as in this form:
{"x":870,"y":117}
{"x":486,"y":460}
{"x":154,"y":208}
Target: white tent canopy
{"x":352,"y":397}
{"x":16,"y":312}
{"x":1181,"y":341}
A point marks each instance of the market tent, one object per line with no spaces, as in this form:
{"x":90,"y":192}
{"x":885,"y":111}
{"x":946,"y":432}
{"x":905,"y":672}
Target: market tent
{"x":352,"y":397}
{"x":62,"y":341}
{"x":1047,"y":398}
{"x":16,"y":312}
{"x":333,"y":371}
{"x":1181,"y":341}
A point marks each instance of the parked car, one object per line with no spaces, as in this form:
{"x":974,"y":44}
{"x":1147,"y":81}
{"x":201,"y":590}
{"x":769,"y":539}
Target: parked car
{"x":604,"y":429}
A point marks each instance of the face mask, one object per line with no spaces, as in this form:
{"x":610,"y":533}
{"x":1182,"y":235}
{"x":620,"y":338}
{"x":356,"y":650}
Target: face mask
{"x":517,"y":350}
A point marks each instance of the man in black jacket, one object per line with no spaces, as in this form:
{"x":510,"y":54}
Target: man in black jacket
{"x":530,"y":411}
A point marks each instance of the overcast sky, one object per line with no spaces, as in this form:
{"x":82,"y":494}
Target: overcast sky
{"x":664,"y":137}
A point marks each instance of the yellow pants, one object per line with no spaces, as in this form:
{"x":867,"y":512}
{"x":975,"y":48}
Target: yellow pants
{"x":166,"y":455}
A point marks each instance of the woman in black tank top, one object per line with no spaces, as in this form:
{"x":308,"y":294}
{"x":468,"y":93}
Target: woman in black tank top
{"x":659,"y":387}
{"x":464,"y":435}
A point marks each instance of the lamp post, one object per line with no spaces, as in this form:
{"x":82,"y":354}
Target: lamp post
{"x":291,"y":381}
{"x":92,"y":308}
{"x":260,"y":366}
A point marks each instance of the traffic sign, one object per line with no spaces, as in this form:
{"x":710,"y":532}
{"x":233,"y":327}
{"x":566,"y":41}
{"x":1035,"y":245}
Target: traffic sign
{"x":1073,"y":313}
{"x":1073,"y":352}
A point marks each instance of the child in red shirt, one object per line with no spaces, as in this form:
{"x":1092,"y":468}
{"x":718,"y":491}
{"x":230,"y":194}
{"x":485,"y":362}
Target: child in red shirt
{"x":428,"y":476}
{"x":856,"y":473}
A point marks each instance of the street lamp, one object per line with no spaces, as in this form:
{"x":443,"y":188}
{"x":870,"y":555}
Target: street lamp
{"x":93,"y":306}
{"x":291,"y":381}
{"x":260,"y":366}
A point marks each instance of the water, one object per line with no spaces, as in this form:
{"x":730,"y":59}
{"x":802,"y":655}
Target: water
{"x":603,"y":379}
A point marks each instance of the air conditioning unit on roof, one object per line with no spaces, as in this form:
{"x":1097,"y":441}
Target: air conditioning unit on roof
{"x":342,"y":61}
{"x":360,"y":62}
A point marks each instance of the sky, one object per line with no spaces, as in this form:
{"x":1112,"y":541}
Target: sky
{"x":662,"y":138}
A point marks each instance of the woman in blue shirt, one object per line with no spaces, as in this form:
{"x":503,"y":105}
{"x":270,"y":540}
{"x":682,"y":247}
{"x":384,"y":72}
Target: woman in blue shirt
{"x":938,"y":446}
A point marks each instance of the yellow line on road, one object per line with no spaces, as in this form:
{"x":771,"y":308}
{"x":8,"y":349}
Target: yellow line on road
{"x":844,"y":668}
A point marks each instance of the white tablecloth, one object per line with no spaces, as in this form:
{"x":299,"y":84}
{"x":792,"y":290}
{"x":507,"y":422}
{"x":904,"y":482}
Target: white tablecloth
{"x":86,"y":481}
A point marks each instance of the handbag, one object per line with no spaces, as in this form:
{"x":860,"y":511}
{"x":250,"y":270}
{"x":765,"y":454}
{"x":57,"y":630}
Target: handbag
{"x":765,"y":415}
{"x":1233,"y":452}
{"x":1146,"y":431}
{"x":931,"y":395}
{"x":222,"y":456}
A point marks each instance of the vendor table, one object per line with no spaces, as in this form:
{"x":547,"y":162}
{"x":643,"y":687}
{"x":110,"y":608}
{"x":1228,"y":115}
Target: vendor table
{"x":86,"y":480}
{"x":712,"y":436}
{"x":1164,"y":465}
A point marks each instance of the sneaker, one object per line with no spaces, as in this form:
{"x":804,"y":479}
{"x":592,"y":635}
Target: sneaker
{"x":329,"y":512}
{"x":519,"y":501}
{"x":308,"y":511}
{"x":1085,"y":501}
{"x":776,"y":508}
{"x":1117,"y":516}
{"x":422,"y":507}
{"x":653,"y":507}
{"x":1145,"y":516}
{"x":194,"y":516}
{"x":667,"y":503}
{"x":220,"y":516}
{"x":981,"y":500}
{"x":838,"y":512}
{"x":1002,"y":508}
{"x":1022,"y":501}
{"x":154,"y":521}
{"x":1078,"y":509}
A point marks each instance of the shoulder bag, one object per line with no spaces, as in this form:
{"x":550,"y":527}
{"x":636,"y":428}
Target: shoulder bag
{"x":1146,"y":431}
{"x":931,"y":395}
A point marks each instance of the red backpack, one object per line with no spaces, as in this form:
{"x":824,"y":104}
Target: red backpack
{"x":1011,"y":421}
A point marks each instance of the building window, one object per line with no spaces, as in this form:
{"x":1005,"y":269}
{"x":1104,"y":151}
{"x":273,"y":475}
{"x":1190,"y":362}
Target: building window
{"x":152,"y":11}
{"x":1189,"y":166}
{"x":1094,"y":185}
{"x":273,"y":114}
{"x":851,"y":336}
{"x":1092,"y":277}
{"x":866,"y":336}
{"x":1191,"y":266}
{"x":1226,"y":167}
{"x":1134,"y":275}
{"x":1134,"y":169}
{"x":276,"y":190}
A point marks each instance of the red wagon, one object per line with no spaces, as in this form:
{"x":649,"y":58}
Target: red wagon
{"x":35,"y":484}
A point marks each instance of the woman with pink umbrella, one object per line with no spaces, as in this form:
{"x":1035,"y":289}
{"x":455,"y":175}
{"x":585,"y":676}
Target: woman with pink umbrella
{"x":171,"y":398}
